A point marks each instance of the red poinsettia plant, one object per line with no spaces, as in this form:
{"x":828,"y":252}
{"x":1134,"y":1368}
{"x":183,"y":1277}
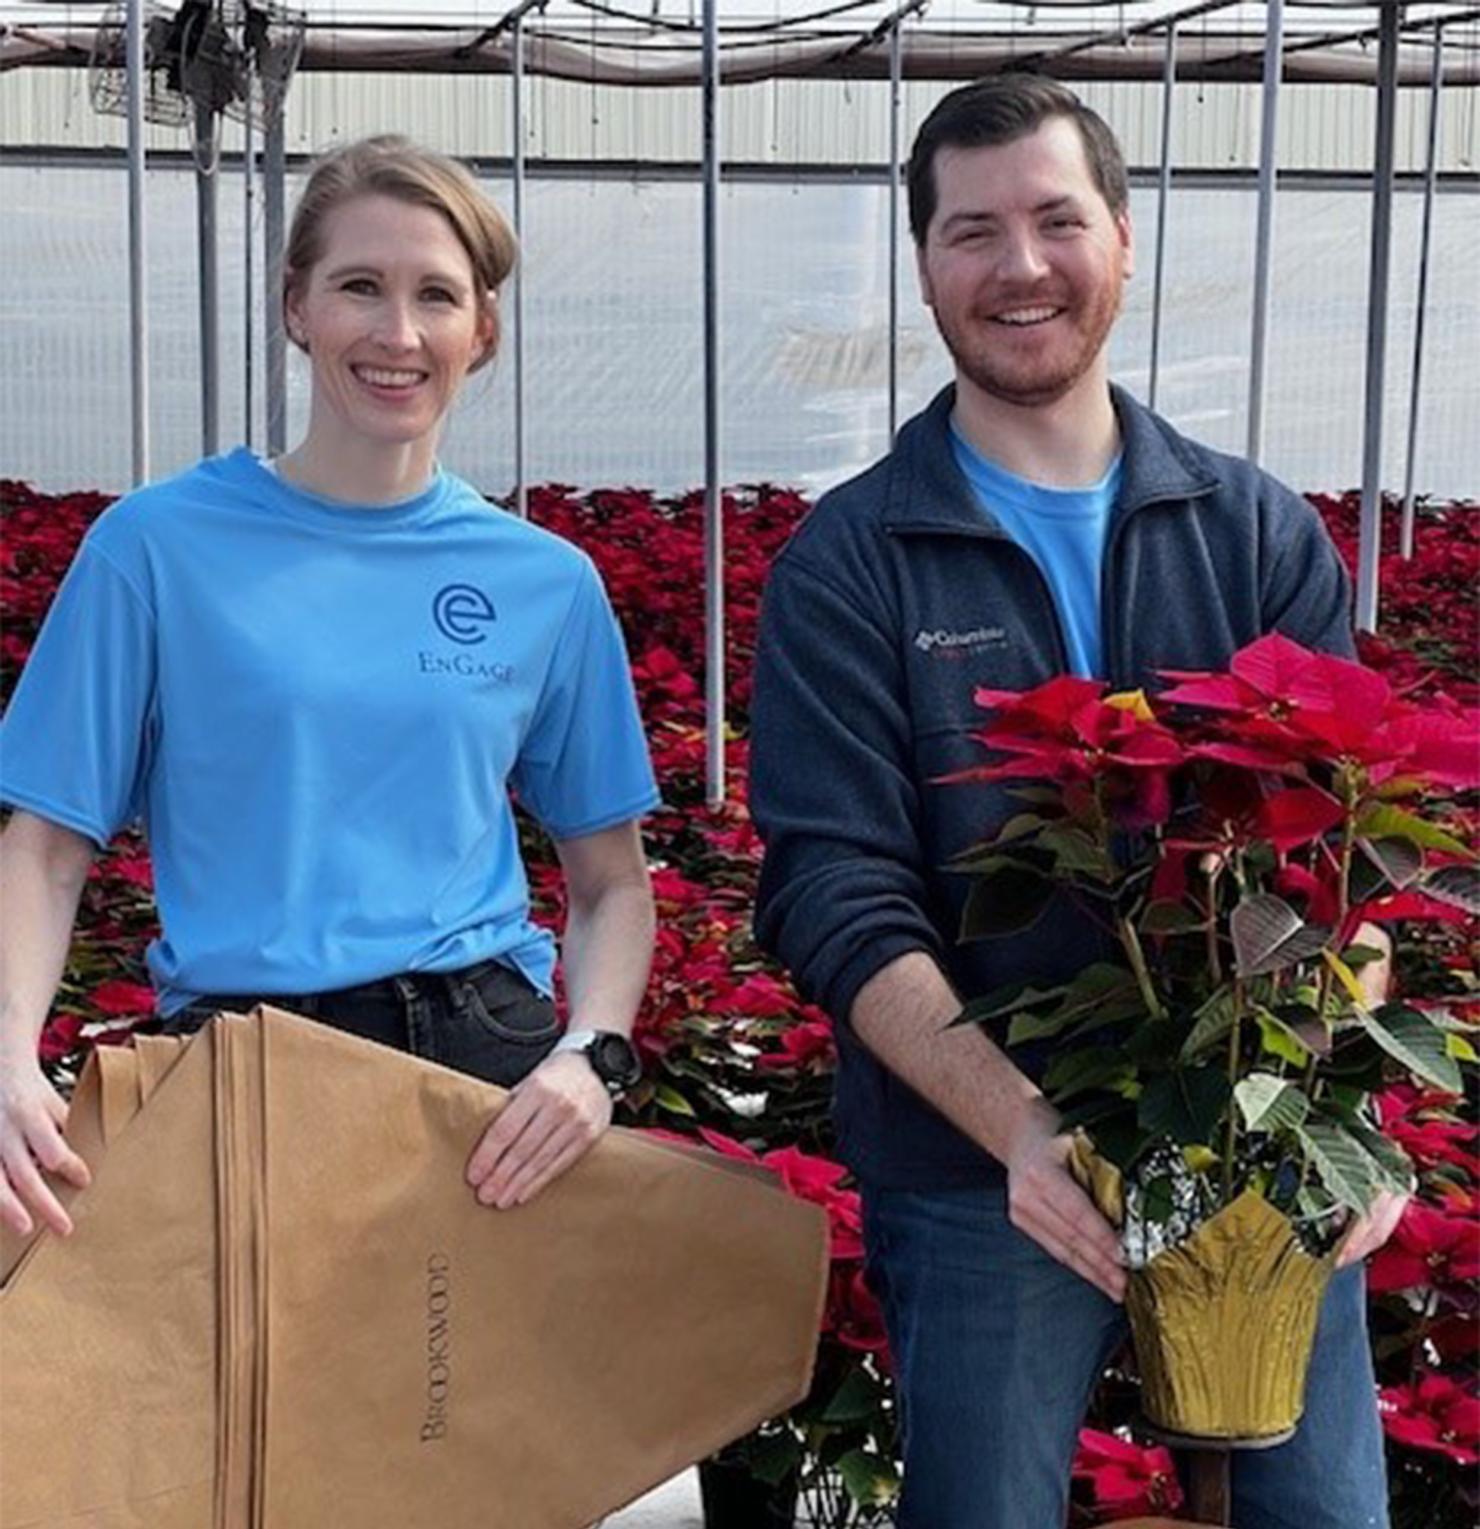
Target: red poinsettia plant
{"x":1233,"y":839}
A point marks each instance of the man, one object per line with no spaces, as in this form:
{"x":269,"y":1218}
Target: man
{"x":1033,"y":520}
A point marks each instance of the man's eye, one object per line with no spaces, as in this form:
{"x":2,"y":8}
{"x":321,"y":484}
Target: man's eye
{"x":1066,"y":222}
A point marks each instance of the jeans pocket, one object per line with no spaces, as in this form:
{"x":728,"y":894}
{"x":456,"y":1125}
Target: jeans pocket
{"x":508,"y":1007}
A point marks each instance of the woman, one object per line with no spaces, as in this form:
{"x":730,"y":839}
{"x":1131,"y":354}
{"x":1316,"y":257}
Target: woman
{"x":316,"y":680}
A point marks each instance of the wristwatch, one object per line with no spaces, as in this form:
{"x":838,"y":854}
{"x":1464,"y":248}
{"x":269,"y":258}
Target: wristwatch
{"x":612,"y":1056}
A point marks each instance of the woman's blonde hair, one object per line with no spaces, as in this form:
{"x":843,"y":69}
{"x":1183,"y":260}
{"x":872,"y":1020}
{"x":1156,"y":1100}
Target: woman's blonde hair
{"x":389,"y":165}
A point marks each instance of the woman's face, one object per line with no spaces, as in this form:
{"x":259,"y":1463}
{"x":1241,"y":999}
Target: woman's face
{"x":392,"y":319}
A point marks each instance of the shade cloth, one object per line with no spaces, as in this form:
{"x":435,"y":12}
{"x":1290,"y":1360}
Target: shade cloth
{"x":281,"y":1305}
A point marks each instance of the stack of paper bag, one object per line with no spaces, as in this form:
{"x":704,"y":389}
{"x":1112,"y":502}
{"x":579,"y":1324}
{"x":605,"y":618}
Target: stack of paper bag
{"x":282,"y":1308}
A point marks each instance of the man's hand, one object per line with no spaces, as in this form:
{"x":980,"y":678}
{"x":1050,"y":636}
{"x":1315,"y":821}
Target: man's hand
{"x":32,"y":1114}
{"x":1370,"y":1231}
{"x":1046,"y":1203}
{"x":553,"y":1119}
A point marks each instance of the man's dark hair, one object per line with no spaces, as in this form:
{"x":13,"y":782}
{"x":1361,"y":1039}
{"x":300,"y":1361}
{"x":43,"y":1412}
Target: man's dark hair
{"x":999,"y":109}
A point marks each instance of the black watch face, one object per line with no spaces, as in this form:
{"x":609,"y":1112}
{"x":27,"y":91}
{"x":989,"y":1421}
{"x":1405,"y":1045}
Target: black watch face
{"x":615,"y":1061}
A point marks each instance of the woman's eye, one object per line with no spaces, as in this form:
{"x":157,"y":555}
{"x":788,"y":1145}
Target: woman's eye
{"x":439,"y":295}
{"x":359,"y":284}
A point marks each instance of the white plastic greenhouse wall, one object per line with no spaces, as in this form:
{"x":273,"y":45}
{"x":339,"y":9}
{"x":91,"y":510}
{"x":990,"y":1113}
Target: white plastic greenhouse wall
{"x":612,"y":276}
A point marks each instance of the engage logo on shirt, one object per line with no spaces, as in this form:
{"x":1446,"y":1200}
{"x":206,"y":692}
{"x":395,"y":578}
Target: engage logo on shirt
{"x":462,"y":613}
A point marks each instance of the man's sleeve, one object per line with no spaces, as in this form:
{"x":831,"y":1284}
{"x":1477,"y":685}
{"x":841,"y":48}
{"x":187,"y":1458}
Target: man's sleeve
{"x":75,"y":744}
{"x":1305,"y":593}
{"x":842,"y":888}
{"x":584,"y":765}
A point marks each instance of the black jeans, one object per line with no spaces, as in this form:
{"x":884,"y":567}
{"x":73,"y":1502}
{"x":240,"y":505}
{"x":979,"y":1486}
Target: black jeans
{"x":486,"y":1020}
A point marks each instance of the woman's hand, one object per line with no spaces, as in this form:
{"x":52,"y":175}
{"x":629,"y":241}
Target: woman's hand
{"x":42,"y":870}
{"x":556,"y":1115}
{"x":32,"y":1114}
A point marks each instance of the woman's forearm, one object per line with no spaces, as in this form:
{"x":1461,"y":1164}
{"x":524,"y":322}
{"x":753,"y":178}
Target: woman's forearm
{"x":608,"y":944}
{"x":43,"y":868}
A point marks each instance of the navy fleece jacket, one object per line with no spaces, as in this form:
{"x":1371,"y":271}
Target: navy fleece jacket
{"x":896,"y":598}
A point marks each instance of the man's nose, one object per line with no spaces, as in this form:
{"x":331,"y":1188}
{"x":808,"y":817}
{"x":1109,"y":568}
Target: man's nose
{"x":1021,"y":257}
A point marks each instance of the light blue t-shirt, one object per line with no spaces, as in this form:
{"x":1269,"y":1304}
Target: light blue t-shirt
{"x":1063,"y":529}
{"x":318,"y":711}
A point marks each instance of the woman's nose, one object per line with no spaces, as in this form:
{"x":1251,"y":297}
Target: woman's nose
{"x":396,"y":329}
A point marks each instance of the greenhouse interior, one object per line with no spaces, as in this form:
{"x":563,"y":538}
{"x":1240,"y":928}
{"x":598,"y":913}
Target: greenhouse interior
{"x":716,"y":318}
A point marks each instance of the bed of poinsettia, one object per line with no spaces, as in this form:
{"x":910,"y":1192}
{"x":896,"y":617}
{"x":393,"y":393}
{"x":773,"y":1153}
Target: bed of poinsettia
{"x":736,"y":1058}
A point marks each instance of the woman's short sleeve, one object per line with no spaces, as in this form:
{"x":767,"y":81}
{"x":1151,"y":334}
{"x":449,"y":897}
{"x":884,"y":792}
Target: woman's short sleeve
{"x":74,"y":743}
{"x":584,"y":764}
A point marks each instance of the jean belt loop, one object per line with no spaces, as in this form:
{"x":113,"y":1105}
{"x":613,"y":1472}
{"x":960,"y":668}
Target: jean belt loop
{"x":417,"y":1006}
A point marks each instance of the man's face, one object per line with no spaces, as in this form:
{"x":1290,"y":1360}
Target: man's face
{"x":1023,"y":264}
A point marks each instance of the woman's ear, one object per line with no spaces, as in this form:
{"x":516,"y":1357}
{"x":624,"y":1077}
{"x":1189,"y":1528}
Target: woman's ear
{"x":489,"y":329}
{"x":293,"y":324}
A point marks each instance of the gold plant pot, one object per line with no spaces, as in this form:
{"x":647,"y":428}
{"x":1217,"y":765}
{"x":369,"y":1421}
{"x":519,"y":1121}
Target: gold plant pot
{"x":1223,"y":1324}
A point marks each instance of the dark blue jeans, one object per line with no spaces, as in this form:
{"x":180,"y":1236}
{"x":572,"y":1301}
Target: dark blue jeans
{"x":486,"y":1020}
{"x":997,"y":1348}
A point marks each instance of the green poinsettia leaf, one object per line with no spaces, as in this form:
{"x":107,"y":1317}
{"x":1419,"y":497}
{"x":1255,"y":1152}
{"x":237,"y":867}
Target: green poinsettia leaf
{"x":1270,"y":1103}
{"x":1346,"y":1170}
{"x":1101,"y":994}
{"x":1279,"y":1040}
{"x":1414,"y":1040}
{"x":1209,"y":1024}
{"x":1387,"y":822}
{"x":1006,"y":1000}
{"x":1072,"y":1072}
{"x":1399,"y":860}
{"x":1394,"y":1166}
{"x":1185,"y":1104}
{"x":668,"y":1098}
{"x":1166,"y":918}
{"x":1460,"y":1047}
{"x":1457,"y":885}
{"x":1158,"y":1201}
{"x":1007,"y":901}
{"x":1076,"y":853}
{"x":1269,"y":935}
{"x":1019,"y":827}
{"x":774,"y":1457}
{"x":1037,"y":796}
{"x":859,"y":1396}
{"x":871,"y":1480}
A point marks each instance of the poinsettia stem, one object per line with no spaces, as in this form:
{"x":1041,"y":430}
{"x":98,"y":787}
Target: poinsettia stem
{"x":1350,"y":794}
{"x":1215,"y":964}
{"x":1131,"y":944}
{"x":1235,"y":1036}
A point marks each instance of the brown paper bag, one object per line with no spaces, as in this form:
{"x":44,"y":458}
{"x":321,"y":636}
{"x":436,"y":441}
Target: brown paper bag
{"x":283,"y":1307}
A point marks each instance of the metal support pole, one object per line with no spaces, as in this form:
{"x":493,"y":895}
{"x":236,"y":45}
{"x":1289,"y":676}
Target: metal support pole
{"x":138,"y":297}
{"x":1369,"y":548}
{"x":895,"y":78}
{"x":248,"y":368}
{"x":1431,"y":171}
{"x":208,"y":244}
{"x":1163,"y":196}
{"x":521,"y":488}
{"x":1274,"y":25}
{"x":274,"y":188}
{"x":714,"y":535}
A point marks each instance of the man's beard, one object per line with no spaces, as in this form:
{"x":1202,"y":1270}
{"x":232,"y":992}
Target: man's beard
{"x":1032,"y":381}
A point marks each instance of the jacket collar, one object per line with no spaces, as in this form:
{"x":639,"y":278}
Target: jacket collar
{"x":927,"y":490}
